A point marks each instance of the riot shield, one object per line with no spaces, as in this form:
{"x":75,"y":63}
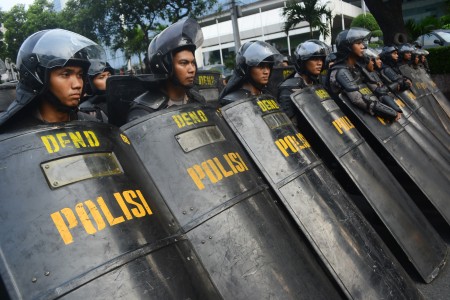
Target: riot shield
{"x":438,"y":150}
{"x":394,"y":141}
{"x":209,"y":84}
{"x":345,"y":242}
{"x":122,"y":90}
{"x":277,"y":76}
{"x":422,"y":114}
{"x":420,"y":242}
{"x":425,"y":97}
{"x":440,"y":98}
{"x":247,"y":244}
{"x":7,"y":95}
{"x":82,"y":219}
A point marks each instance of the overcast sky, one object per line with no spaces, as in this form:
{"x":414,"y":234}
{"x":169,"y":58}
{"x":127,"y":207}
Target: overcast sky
{"x":6,"y":5}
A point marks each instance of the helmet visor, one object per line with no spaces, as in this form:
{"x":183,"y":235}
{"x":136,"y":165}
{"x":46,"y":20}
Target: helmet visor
{"x":261,"y":52}
{"x":310,"y":49}
{"x":182,"y":33}
{"x":355,"y":34}
{"x":55,"y":47}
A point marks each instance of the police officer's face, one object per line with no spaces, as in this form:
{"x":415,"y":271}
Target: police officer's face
{"x":314,"y":65}
{"x":260,"y":74}
{"x":370,"y":65}
{"x":394,"y":55}
{"x":378,"y":62}
{"x":358,"y":48}
{"x":407,"y":56}
{"x":100,"y":80}
{"x":184,"y":67}
{"x":66,"y":84}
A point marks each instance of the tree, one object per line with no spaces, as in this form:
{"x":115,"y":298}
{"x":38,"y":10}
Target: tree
{"x":21,"y":23}
{"x":389,"y":16}
{"x":368,"y":21}
{"x":309,"y":11}
{"x":129,"y":24}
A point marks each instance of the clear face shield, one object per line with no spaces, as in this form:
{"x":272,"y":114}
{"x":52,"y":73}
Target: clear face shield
{"x":57,"y":46}
{"x":356,"y":34}
{"x":183,"y":33}
{"x":260,"y":52}
{"x":309,"y":49}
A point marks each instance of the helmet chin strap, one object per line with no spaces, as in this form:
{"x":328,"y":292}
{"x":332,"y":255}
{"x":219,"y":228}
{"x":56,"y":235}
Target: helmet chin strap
{"x":53,"y":100}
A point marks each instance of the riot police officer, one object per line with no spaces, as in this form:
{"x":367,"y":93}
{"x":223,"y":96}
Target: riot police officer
{"x":374,"y":82}
{"x":171,"y":54}
{"x":94,"y":102}
{"x":309,"y":59}
{"x":254,"y":63}
{"x":52,"y":65}
{"x":345,"y":75}
{"x":390,"y":73}
{"x":405,"y":54}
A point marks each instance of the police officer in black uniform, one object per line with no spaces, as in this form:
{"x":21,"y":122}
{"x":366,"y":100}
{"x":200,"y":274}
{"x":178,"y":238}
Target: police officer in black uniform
{"x":171,"y":54}
{"x":374,"y":82}
{"x":345,"y":76}
{"x":254,"y":63}
{"x":405,"y":54}
{"x":94,"y":102}
{"x":390,"y":73}
{"x":309,"y":62}
{"x":53,"y":65}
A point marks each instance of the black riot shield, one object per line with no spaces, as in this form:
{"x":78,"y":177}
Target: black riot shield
{"x":440,"y":98}
{"x":394,"y":141}
{"x":209,"y":84}
{"x":7,"y":94}
{"x":277,"y":76}
{"x":121,"y":90}
{"x":321,"y":116}
{"x":346,"y":243}
{"x":81,"y":218}
{"x":424,"y":116}
{"x":248,"y":246}
{"x":425,"y":97}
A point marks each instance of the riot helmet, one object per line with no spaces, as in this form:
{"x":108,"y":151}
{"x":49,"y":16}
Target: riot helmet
{"x":94,"y":70}
{"x":405,"y":49}
{"x":182,"y":35}
{"x":54,"y":48}
{"x":386,"y":55}
{"x":252,"y":53}
{"x":44,"y":51}
{"x":345,"y":39}
{"x":308,"y":50}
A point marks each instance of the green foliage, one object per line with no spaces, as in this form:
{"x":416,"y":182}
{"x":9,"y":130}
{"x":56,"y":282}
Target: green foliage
{"x":309,"y":11}
{"x":438,"y":60}
{"x":367,"y":21}
{"x":426,"y":25}
{"x":127,"y":25}
{"x":21,"y":23}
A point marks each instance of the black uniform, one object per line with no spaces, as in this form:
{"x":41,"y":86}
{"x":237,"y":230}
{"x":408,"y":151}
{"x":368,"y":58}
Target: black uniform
{"x":152,"y":101}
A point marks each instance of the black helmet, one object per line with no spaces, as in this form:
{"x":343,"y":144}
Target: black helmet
{"x":307,"y":50}
{"x":43,"y":51}
{"x":405,"y":48}
{"x":94,"y":70}
{"x":252,"y":53}
{"x":345,"y":39}
{"x":53,"y":48}
{"x":184,"y":34}
{"x":385,"y":55}
{"x":370,"y":54}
